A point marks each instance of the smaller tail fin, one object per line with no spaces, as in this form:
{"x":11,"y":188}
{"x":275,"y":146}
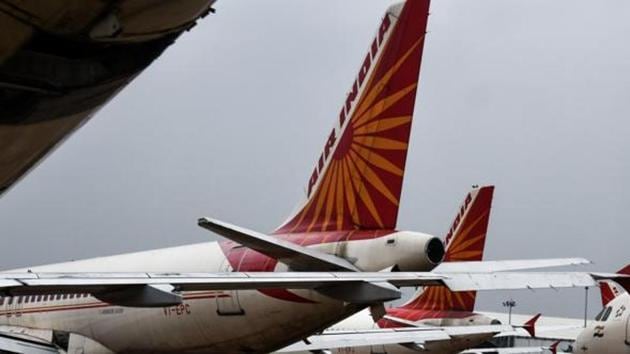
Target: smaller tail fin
{"x":465,"y":241}
{"x":609,"y":291}
{"x":530,"y":326}
{"x":554,"y":347}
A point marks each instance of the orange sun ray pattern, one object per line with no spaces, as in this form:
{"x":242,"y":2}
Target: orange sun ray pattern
{"x":467,"y":244}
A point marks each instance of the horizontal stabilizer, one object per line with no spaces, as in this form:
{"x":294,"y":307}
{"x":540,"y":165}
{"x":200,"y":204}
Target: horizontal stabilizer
{"x":295,"y":256}
{"x":509,"y":265}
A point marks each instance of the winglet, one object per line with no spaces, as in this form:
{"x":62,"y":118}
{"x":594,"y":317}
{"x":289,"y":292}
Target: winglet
{"x":625,"y":271}
{"x":530,"y":326}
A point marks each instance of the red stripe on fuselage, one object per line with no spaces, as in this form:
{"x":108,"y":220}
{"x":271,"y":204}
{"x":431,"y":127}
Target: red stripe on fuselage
{"x":92,"y":305}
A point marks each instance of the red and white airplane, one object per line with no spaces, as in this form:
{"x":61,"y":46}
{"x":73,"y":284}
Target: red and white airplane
{"x":247,"y":294}
{"x":610,"y":332}
{"x":436,"y":320}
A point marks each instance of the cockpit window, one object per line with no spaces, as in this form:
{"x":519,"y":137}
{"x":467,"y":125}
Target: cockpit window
{"x":606,"y":314}
{"x":600,"y":314}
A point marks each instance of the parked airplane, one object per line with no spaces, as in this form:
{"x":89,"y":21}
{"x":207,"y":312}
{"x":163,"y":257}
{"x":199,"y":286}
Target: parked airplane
{"x":361,"y":166}
{"x":412,"y":327}
{"x":347,"y":224}
{"x":610,"y":333}
{"x":60,"y":61}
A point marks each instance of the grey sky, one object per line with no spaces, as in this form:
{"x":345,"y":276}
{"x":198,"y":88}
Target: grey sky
{"x":532,"y":96}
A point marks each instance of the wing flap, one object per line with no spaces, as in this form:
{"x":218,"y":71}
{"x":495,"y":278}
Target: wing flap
{"x":508,"y":265}
{"x":517,"y":280}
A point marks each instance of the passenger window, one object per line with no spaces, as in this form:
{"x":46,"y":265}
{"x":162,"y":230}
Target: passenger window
{"x":606,"y":314}
{"x":19,"y":299}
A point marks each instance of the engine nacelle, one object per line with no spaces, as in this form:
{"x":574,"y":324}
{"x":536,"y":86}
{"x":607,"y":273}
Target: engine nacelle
{"x":407,"y":251}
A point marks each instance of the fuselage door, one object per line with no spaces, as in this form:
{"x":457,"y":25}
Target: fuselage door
{"x":228,"y":302}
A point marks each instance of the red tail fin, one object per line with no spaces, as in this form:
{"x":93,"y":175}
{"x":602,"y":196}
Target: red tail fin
{"x":554,"y":347}
{"x":357,"y":181}
{"x":530,"y":326}
{"x":465,"y":241}
{"x":609,"y":291}
{"x":625,"y":283}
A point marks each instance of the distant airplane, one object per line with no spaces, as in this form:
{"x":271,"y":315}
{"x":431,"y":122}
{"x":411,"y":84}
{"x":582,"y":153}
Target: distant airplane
{"x":436,"y":320}
{"x":610,"y":332}
{"x":62,"y":60}
{"x":258,"y":292}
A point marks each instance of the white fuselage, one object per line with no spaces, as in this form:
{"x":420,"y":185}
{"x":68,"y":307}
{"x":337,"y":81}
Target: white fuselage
{"x":610,"y":333}
{"x":207,"y":321}
{"x":210,"y":321}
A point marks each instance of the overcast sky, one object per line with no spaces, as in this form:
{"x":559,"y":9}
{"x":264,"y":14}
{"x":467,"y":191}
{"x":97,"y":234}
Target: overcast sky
{"x":532,"y":96}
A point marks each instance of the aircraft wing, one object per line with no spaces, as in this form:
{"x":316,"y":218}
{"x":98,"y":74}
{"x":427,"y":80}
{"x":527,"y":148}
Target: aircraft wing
{"x":415,"y":337}
{"x":508,"y":265}
{"x":22,"y":344}
{"x":163,"y":289}
{"x":159,"y":290}
{"x":62,"y":60}
{"x":524,"y":350}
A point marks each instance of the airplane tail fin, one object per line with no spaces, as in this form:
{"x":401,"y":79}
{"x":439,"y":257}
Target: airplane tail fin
{"x":465,"y":241}
{"x":357,"y":181}
{"x":554,"y":347}
{"x":530,"y":326}
{"x":609,"y":291}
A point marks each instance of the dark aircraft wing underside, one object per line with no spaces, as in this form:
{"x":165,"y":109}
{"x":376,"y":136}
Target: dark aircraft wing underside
{"x":60,"y":61}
